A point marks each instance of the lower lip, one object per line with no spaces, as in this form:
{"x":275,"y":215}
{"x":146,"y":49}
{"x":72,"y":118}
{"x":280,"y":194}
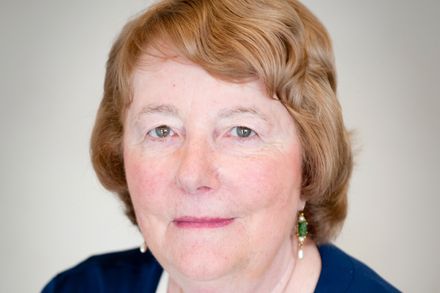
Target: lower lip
{"x":202,"y":223}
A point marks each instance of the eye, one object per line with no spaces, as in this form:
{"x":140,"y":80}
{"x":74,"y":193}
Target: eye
{"x":242,"y":132}
{"x":162,"y":131}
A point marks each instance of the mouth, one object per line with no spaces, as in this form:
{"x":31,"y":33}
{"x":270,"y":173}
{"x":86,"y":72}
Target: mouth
{"x":203,"y":222}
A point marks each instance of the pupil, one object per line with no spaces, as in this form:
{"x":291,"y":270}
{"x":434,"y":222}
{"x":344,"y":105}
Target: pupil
{"x":243,"y":131}
{"x":162,"y":131}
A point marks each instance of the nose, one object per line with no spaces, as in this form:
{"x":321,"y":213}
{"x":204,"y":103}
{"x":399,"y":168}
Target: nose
{"x":196,"y":173}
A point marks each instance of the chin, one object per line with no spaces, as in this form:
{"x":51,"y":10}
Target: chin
{"x":205,"y":258}
{"x":206,"y":265}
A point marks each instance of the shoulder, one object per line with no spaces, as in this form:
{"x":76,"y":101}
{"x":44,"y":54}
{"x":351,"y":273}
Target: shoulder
{"x":124,"y":271}
{"x":343,"y":273}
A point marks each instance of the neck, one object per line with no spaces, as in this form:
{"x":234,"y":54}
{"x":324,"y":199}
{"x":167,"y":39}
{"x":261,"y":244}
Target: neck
{"x":284,"y":273}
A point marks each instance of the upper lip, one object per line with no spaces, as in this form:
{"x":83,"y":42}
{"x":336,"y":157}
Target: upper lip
{"x":191,"y":219}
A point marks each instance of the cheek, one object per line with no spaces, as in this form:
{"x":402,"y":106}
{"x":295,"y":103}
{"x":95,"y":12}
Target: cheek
{"x":268,"y":191}
{"x":267,"y":182}
{"x":145,"y":183}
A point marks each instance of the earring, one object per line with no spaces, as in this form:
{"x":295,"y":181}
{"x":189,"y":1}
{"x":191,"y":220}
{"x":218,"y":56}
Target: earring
{"x":301,"y":233}
{"x":143,"y":247}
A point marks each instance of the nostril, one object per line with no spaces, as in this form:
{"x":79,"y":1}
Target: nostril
{"x":203,"y":189}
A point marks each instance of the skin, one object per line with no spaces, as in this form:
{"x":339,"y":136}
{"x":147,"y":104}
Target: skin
{"x":197,"y":146}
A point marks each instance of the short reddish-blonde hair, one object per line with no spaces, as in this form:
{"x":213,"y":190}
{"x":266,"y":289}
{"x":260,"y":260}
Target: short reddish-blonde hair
{"x":279,"y":42}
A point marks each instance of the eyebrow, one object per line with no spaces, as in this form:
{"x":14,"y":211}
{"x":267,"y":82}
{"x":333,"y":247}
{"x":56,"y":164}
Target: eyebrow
{"x":162,"y":108}
{"x":227,"y":113}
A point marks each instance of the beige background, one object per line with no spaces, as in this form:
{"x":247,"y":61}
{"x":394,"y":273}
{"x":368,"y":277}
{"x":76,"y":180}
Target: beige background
{"x":54,"y":213}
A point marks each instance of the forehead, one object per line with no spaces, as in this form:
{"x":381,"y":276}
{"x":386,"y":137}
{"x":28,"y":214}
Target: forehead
{"x":174,"y":78}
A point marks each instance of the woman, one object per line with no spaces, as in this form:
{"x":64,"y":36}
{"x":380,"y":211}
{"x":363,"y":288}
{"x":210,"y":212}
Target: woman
{"x":221,"y":132}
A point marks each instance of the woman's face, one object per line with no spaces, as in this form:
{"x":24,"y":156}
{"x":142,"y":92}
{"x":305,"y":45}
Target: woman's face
{"x":213,"y":169}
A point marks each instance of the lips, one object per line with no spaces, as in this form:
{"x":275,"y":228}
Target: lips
{"x":202,"y":222}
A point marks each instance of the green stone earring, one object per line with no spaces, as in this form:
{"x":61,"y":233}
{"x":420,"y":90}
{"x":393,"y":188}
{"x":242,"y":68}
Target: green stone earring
{"x":301,"y":233}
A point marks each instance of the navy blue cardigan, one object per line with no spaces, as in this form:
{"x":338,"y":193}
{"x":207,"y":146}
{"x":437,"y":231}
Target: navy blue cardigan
{"x":130,"y":272}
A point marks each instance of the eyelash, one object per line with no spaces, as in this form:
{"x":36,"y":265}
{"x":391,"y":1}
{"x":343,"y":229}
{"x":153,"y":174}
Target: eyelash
{"x":154,"y":135}
{"x":232,"y":132}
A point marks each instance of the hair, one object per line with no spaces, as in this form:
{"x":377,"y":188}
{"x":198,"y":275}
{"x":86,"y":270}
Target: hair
{"x":279,"y":42}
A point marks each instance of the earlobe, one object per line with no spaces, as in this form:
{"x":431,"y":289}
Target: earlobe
{"x":301,"y":204}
